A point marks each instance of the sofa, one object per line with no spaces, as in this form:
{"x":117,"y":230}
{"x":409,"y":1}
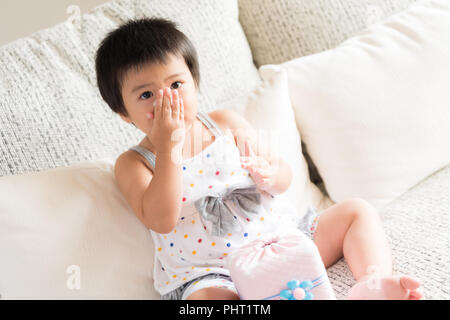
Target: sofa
{"x":366,"y":109}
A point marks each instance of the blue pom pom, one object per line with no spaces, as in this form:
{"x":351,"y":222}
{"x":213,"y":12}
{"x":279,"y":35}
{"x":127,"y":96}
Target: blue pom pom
{"x":293,"y":284}
{"x":308,"y":296}
{"x":292,"y":298}
{"x":286,"y":294}
{"x":306,"y":285}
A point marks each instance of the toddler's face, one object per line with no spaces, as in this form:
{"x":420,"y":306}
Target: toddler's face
{"x":140,"y":87}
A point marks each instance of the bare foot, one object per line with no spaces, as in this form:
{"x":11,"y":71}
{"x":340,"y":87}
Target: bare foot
{"x":386,"y":288}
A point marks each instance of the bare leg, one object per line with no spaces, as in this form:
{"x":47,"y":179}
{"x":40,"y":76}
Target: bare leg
{"x":213,"y":294}
{"x":353,"y":229}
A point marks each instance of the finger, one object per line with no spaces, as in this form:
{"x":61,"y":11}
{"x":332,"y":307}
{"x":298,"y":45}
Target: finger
{"x":248,"y":149}
{"x":263,"y":172}
{"x":158,"y":105}
{"x":167,"y":109}
{"x":267,"y":182}
{"x":246,"y":159}
{"x":248,"y":163}
{"x":182,"y":109}
{"x":176,"y":104}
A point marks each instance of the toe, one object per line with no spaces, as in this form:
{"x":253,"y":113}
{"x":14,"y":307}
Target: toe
{"x":410,"y":283}
{"x":415,"y":295}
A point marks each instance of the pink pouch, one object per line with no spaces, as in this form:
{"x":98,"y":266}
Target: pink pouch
{"x":280,"y":266}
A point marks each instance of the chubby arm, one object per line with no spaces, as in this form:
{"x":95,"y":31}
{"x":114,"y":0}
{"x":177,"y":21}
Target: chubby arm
{"x":154,"y":198}
{"x":277,"y":170}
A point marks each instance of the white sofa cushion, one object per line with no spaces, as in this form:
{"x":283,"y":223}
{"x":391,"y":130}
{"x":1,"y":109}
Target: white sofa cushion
{"x":67,"y":233}
{"x":283,"y":30}
{"x":51,"y":113}
{"x":374,"y":112}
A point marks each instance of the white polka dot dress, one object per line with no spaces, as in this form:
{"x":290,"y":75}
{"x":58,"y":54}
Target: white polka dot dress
{"x":190,"y":250}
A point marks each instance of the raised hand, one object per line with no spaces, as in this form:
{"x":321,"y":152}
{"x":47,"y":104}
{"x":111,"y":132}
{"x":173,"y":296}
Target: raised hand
{"x":261,"y":171}
{"x":168,"y":128}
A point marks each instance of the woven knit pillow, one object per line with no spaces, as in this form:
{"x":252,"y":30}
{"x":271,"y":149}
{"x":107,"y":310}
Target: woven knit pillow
{"x":51,"y":112}
{"x":283,"y":30}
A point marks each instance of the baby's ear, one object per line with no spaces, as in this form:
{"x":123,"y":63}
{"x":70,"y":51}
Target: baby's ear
{"x":125,"y":118}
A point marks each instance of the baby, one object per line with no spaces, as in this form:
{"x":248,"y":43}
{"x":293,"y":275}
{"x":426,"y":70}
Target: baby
{"x":198,"y":206}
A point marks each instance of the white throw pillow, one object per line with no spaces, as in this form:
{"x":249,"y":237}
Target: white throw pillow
{"x":268,"y":109}
{"x":68,"y":233}
{"x":374,"y":112}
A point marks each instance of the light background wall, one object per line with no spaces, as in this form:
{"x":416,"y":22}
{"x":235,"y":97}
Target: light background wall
{"x":20,"y":18}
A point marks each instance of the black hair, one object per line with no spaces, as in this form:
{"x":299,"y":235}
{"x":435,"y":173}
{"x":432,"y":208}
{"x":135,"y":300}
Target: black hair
{"x":135,"y":44}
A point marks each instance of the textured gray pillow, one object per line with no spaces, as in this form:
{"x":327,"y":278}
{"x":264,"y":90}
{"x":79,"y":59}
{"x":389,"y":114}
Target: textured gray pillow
{"x":279,"y":31}
{"x":51,"y":113}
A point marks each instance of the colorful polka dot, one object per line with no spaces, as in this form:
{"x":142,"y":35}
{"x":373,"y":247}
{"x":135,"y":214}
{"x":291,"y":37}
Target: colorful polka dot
{"x":210,"y":187}
{"x":262,"y":218}
{"x":199,"y":240}
{"x":246,"y":234}
{"x":208,"y":155}
{"x":185,"y":236}
{"x":228,"y":244}
{"x":159,"y":249}
{"x":194,"y":252}
{"x":192,"y":185}
{"x":171,"y":244}
{"x":184,"y":168}
{"x":184,"y":199}
{"x":213,"y":244}
{"x":217,"y":173}
{"x":200,"y":171}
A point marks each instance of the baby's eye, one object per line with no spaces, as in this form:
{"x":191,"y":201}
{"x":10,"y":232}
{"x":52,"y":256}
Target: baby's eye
{"x":177,"y":82}
{"x":145,"y":95}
